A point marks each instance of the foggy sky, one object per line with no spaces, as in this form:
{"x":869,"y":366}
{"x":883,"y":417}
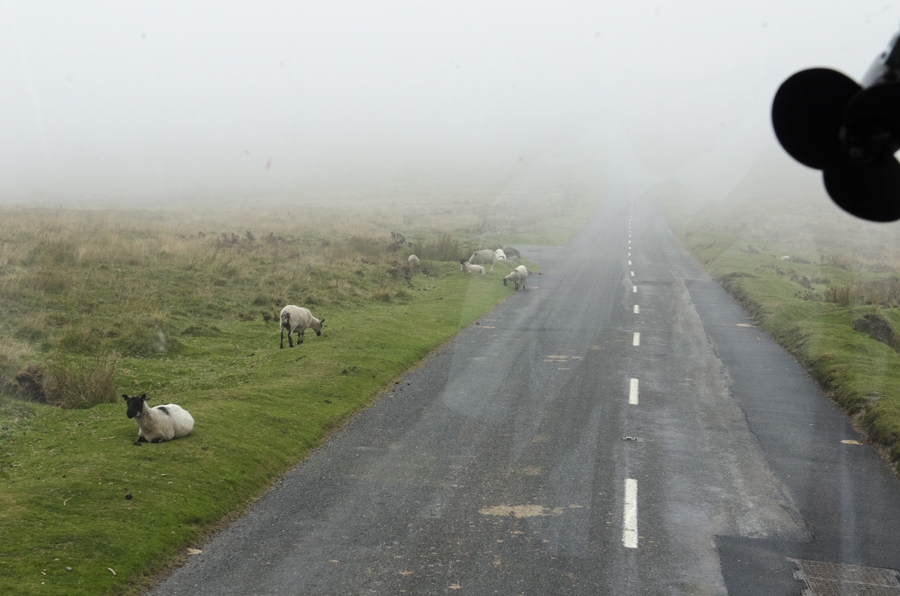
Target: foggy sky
{"x":164,"y":101}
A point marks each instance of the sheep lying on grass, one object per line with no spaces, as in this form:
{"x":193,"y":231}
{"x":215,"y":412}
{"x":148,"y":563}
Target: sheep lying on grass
{"x":162,"y":423}
{"x":296,"y":320}
{"x":413,"y":260}
{"x":464,"y":267}
{"x":483,"y":257}
{"x":518,"y":275}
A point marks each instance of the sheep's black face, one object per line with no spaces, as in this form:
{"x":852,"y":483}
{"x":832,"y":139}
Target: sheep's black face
{"x":505,"y":281}
{"x":135,"y":405}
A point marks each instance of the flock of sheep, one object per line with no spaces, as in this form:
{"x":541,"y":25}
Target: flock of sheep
{"x":480,"y":258}
{"x":164,"y":423}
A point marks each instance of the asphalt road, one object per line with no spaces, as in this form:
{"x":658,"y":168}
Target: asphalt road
{"x":549,"y":449}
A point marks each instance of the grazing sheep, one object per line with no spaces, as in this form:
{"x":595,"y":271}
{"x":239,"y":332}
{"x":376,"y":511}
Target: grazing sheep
{"x":466,"y":268}
{"x":499,"y":255}
{"x":162,"y":423}
{"x":297,"y":320}
{"x":413,"y":260}
{"x":518,"y":275}
{"x":483,"y":257}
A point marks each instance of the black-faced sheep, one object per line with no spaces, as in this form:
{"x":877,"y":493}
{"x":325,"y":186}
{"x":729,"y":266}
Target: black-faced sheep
{"x":517,"y":275}
{"x":297,"y":320}
{"x":465,"y":267}
{"x":162,"y":423}
{"x":483,"y":257}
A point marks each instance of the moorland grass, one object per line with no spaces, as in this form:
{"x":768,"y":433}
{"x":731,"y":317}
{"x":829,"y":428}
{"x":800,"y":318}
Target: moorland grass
{"x":184,"y":308}
{"x":809,"y":274}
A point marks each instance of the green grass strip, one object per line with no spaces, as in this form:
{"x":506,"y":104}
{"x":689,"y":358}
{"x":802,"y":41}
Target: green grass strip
{"x":79,"y":501}
{"x":789,"y":283}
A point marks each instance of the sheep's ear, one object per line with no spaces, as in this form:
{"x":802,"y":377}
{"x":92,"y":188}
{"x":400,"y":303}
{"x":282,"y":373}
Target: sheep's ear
{"x":144,"y":396}
{"x":322,"y":321}
{"x":125,"y":397}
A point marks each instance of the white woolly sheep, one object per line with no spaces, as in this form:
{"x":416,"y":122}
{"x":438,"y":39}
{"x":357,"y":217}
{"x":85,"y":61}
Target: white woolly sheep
{"x":297,"y":320}
{"x":162,"y":423}
{"x":499,"y":255}
{"x":413,"y":260}
{"x":483,"y":257}
{"x":517,"y":275}
{"x":464,"y":267}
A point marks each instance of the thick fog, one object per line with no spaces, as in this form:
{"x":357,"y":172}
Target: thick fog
{"x":166,"y":102}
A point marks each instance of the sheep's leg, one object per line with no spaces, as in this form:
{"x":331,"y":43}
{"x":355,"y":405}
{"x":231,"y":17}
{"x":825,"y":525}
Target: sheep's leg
{"x":290,"y":339}
{"x":300,"y":337}
{"x":282,"y":338}
{"x":141,"y":438}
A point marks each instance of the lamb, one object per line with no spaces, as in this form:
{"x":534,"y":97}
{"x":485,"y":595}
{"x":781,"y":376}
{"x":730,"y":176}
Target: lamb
{"x":466,"y":268}
{"x":297,"y":320}
{"x":483,"y":257}
{"x":499,"y":255}
{"x":162,"y":423}
{"x":413,"y":260}
{"x":517,"y":275}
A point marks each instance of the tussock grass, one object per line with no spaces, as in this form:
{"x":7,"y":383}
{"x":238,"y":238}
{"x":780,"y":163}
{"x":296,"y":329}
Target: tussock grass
{"x":83,"y":384}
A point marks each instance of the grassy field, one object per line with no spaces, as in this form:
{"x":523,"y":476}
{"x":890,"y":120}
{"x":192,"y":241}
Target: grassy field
{"x":183,"y":306}
{"x":823,"y":284}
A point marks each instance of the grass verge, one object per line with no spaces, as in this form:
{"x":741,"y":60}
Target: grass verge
{"x":821,"y":284}
{"x":139,"y":303}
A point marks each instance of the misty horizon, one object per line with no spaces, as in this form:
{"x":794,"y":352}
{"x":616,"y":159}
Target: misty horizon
{"x":166,"y":102}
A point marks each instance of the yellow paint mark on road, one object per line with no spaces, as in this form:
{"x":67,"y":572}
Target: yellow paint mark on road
{"x":851,"y":442}
{"x":532,"y":470}
{"x":745,"y":325}
{"x":520,"y":511}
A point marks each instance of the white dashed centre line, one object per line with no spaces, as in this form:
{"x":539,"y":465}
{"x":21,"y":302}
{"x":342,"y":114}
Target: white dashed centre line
{"x":632,"y":274}
{"x":633,"y":392}
{"x":634,"y":289}
{"x":629,"y":262}
{"x":637,"y":309}
{"x":637,"y":339}
{"x":629,"y":531}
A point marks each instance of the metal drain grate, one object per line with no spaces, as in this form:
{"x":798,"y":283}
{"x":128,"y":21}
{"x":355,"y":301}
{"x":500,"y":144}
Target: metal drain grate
{"x":836,"y":579}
